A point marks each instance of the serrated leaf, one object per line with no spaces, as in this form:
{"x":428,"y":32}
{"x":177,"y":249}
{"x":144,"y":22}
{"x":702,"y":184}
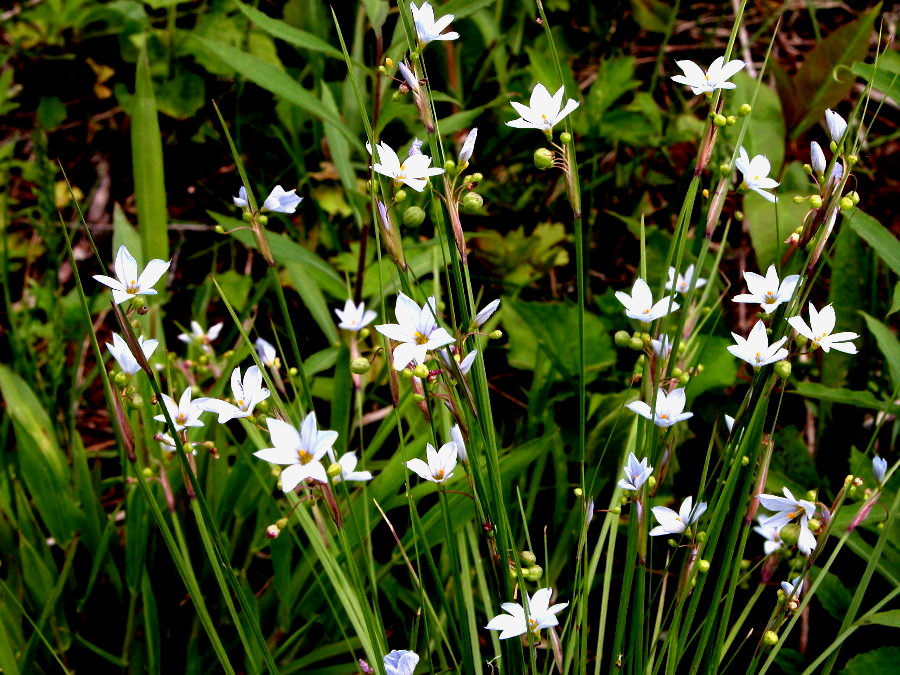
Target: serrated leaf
{"x":814,"y":87}
{"x":878,"y":237}
{"x":887,"y":343}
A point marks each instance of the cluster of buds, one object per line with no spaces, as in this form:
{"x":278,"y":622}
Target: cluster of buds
{"x":527,"y":563}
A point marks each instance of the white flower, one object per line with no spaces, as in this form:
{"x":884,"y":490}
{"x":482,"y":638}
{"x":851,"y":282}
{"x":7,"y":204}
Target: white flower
{"x":772,"y":535}
{"x":400,"y":662}
{"x":662,"y":347}
{"x":186,"y":413}
{"x":541,"y":614}
{"x":464,"y":365}
{"x":278,"y":200}
{"x":414,"y":171}
{"x":766,"y":290}
{"x":301,"y":452}
{"x":544,"y":110}
{"x":879,"y":467}
{"x":683,"y":283}
{"x":729,"y":423}
{"x":200,"y":336}
{"x":715,"y":78}
{"x":267,"y":353}
{"x":793,"y":588}
{"x":675,"y":523}
{"x":468,"y":146}
{"x":416,"y":330}
{"x":123,"y":356}
{"x":427,"y":29}
{"x":639,"y":305}
{"x":756,"y":174}
{"x":411,"y":81}
{"x":440,"y":465}
{"x":354,"y":317}
{"x":819,"y":331}
{"x":348,"y":464}
{"x":128,"y":282}
{"x":486,"y":312}
{"x":247,"y":395}
{"x":756,"y":349}
{"x":668,"y":408}
{"x":457,"y":437}
{"x":636,"y":473}
{"x":817,"y":158}
{"x":836,"y":124}
{"x":786,"y":508}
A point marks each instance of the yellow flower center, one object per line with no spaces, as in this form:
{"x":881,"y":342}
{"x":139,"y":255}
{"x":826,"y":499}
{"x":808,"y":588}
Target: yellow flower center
{"x":770,"y":298}
{"x":439,"y":474}
{"x":132,"y":287}
{"x":240,"y":403}
{"x":758,"y":357}
{"x":180,"y":418}
{"x":663,"y":416}
{"x":420,"y":338}
{"x":304,"y":456}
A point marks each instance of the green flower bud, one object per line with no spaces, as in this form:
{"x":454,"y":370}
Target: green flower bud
{"x":635,"y":343}
{"x":543,"y":158}
{"x":700,"y":368}
{"x":801,"y":340}
{"x":799,"y":199}
{"x":400,"y":196}
{"x":418,"y":397}
{"x":797,"y":563}
{"x":719,"y":120}
{"x":672,"y":543}
{"x":495,"y":334}
{"x":731,"y":120}
{"x":147,"y":471}
{"x":528,"y":558}
{"x":852,"y":159}
{"x":121,"y":379}
{"x":745,"y":564}
{"x":421,"y":371}
{"x":219,"y":229}
{"x":701,"y":536}
{"x":854,"y":196}
{"x":745,"y":460}
{"x":744,"y":110}
{"x":262,"y":407}
{"x":846,"y":203}
{"x":814,"y":524}
{"x":565,"y":138}
{"x":407,"y":373}
{"x":364,"y":333}
{"x":651,"y":482}
{"x":247,"y":216}
{"x":578,"y":492}
{"x":477,"y":177}
{"x":783,"y":369}
{"x":703,"y":566}
{"x":684,"y":378}
{"x":534,"y":573}
{"x":360,"y":365}
{"x":739,"y":216}
{"x":472,"y":202}
{"x":262,"y":219}
{"x":815,"y":201}
{"x":413,"y":216}
{"x":770,"y":638}
{"x":676,"y":372}
{"x":449,"y":166}
{"x":513,"y":574}
{"x":616,"y":511}
{"x":790,"y":534}
{"x":334,"y":469}
{"x":292,"y":371}
{"x":724,"y":168}
{"x":622,"y":338}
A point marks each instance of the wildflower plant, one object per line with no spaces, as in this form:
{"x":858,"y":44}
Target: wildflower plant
{"x":492,"y":479}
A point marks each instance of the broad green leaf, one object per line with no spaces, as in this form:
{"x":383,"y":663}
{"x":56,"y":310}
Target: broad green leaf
{"x":272,"y":79}
{"x":815,"y":87}
{"x":766,"y":129}
{"x":878,"y":237}
{"x":860,"y":399}
{"x":883,"y":660}
{"x":719,"y":366}
{"x":890,"y":618}
{"x":770,"y":224}
{"x":887,"y":76}
{"x":887,"y":343}
{"x":42,"y":463}
{"x":147,"y":160}
{"x":833,"y":594}
{"x":284,"y":31}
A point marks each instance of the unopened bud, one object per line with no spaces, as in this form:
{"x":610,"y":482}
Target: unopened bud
{"x":382,"y":70}
{"x":724,"y":168}
{"x":219,"y":229}
{"x":413,"y":216}
{"x":846,"y":203}
{"x":676,"y":372}
{"x":705,"y":193}
{"x":815,"y":524}
{"x":703,"y":566}
{"x":449,"y":166}
{"x":578,"y":492}
{"x":534,"y":573}
{"x":281,"y":523}
{"x":565,"y":138}
{"x":247,"y":216}
{"x":684,"y":378}
{"x":739,"y":216}
{"x":543,"y":158}
{"x":420,"y":370}
{"x":334,"y":469}
{"x":744,"y":110}
{"x":120,"y":379}
{"x":852,"y":159}
{"x":364,"y":333}
{"x":622,"y":338}
{"x":815,"y":201}
{"x":495,"y":334}
{"x":731,"y":120}
{"x":783,"y":369}
{"x":477,"y":177}
{"x":812,"y":495}
{"x":651,"y":482}
{"x":770,"y":638}
{"x":701,"y":536}
{"x":407,"y":373}
{"x":790,"y":534}
{"x":745,"y":460}
{"x":262,"y":219}
{"x":272,"y":532}
{"x":389,"y":62}
{"x":720,"y":120}
{"x":799,"y":199}
{"x":635,"y":343}
{"x":147,"y":472}
{"x":360,"y":365}
{"x":528,"y":558}
{"x":616,"y":511}
{"x":854,"y":196}
{"x":672,"y":543}
{"x":292,"y":371}
{"x":418,"y":397}
{"x":400,"y":196}
{"x":472,"y":202}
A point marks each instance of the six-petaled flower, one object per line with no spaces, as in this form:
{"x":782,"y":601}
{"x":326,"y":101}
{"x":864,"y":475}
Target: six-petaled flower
{"x":756,"y":350}
{"x":639,"y":305}
{"x":427,"y":28}
{"x":129,"y":282}
{"x":766,"y":290}
{"x":756,"y":174}
{"x":414,"y":171}
{"x":716,"y":77}
{"x":300,"y":452}
{"x":636,"y":473}
{"x":669,"y":408}
{"x":247,"y":394}
{"x":671,"y":522}
{"x":544,"y":111}
{"x":440,"y":464}
{"x":819,"y":331}
{"x":541,"y":614}
{"x":416,"y":330}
